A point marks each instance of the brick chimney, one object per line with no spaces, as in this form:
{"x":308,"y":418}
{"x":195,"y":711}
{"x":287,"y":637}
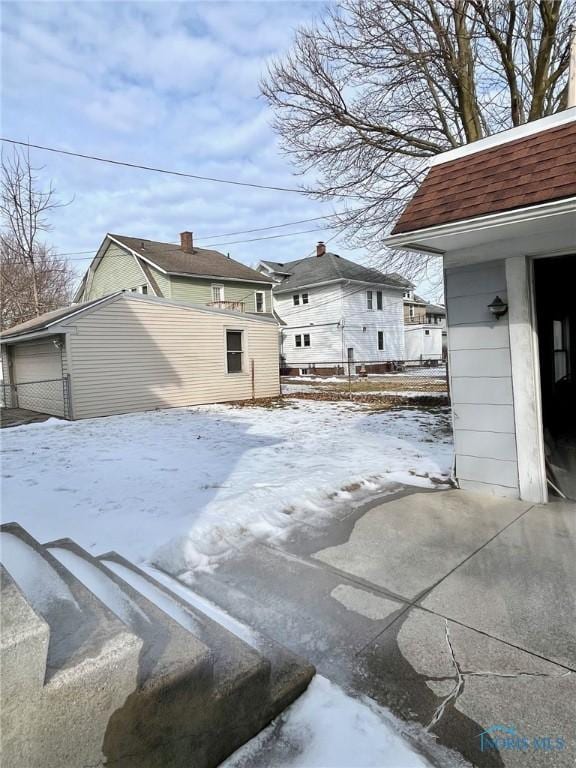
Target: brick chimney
{"x":186,"y":242}
{"x":320,"y":249}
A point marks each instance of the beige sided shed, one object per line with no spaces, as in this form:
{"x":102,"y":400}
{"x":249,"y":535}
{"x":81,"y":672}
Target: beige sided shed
{"x":128,"y":352}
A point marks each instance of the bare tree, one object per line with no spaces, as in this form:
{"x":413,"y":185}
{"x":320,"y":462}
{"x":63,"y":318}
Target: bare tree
{"x":371,"y":92}
{"x":33,"y":279}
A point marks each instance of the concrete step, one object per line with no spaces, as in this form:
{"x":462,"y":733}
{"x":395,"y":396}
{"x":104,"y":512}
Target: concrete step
{"x":174,"y":714}
{"x":90,"y":660}
{"x":115,"y":665}
{"x":290,"y":674}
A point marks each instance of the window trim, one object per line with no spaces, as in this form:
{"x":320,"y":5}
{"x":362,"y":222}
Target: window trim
{"x":263,"y":294}
{"x":221,"y":287}
{"x":298,"y":340}
{"x":304,"y":337}
{"x":380,"y":341}
{"x":370,"y":301}
{"x":243,"y":351}
{"x":295,"y":299}
{"x":379,"y":301}
{"x":304,"y":298}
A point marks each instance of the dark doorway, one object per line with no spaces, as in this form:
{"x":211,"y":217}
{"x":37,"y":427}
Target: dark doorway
{"x":555,"y":283}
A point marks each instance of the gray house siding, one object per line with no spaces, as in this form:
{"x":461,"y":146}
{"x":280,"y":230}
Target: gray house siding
{"x":481,"y":380}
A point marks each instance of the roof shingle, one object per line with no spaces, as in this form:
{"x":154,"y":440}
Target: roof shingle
{"x":537,"y":169}
{"x":201,"y":262}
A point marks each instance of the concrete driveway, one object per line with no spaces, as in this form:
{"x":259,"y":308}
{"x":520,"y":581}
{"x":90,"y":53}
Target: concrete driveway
{"x":454,"y":610}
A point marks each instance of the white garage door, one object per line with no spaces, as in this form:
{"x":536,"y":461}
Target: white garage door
{"x":38,"y":374}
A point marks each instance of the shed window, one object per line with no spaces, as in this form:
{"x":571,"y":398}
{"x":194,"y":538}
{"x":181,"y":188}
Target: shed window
{"x":380,"y":340}
{"x":369,"y":302}
{"x":378,"y":299}
{"x":259,"y":301}
{"x":296,"y":299}
{"x":234,"y":351}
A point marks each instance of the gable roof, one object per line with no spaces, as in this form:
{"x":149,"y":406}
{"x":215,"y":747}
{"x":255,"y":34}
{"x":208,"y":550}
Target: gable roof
{"x":331,"y":268}
{"x":519,"y":173}
{"x":51,"y":318}
{"x":48,"y":319}
{"x":202,"y":262}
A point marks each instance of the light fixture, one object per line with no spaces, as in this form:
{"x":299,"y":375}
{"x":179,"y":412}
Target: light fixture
{"x":498,"y":307}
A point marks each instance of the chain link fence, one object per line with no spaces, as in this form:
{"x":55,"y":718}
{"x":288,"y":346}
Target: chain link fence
{"x":402,"y":378}
{"x":47,"y":396}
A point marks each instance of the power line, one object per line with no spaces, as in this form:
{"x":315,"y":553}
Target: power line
{"x":233,"y":242}
{"x":273,"y":226}
{"x":153,"y":169}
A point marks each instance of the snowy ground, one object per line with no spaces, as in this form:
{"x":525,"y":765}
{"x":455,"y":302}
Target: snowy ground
{"x":326,"y":728}
{"x":184,"y":487}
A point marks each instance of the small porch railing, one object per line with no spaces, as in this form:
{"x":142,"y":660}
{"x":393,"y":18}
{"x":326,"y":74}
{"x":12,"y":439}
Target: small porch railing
{"x":234,"y":306}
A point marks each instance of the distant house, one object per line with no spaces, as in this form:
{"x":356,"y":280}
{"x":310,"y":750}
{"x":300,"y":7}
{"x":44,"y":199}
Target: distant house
{"x":181,"y":272}
{"x":425,"y":328}
{"x":337,"y":315}
{"x":502,"y":213}
{"x":132,"y":352}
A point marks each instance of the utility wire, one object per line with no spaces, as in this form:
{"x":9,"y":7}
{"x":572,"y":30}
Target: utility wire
{"x":212,"y":245}
{"x":153,"y":169}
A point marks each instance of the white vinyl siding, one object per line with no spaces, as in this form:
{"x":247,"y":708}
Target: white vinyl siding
{"x":481,"y":380}
{"x":337,"y":318}
{"x":135,"y":355}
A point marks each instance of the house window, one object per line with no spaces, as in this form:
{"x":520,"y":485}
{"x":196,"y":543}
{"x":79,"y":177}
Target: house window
{"x":378,"y":299}
{"x":217,"y":293}
{"x":306,"y":339}
{"x":144,"y":290}
{"x":259,"y":301}
{"x":304,"y":298}
{"x":369,"y":303}
{"x":234,"y":351}
{"x":298,"y":340}
{"x":380,"y":340}
{"x":411,"y":311}
{"x":296,"y":299}
{"x":427,"y":332}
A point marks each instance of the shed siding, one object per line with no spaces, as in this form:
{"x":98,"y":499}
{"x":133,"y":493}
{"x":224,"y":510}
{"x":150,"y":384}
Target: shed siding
{"x":133,"y":356}
{"x":481,"y":380}
{"x":116,"y":270}
{"x":199,"y":291}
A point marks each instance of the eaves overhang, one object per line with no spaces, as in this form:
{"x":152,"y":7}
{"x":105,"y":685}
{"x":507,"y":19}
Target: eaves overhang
{"x":443,"y":238}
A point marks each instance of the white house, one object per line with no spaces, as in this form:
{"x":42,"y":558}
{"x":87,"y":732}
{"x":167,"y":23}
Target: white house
{"x":502,"y":212}
{"x":337,"y":315}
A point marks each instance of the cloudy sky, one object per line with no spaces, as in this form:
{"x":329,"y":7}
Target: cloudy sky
{"x":171,"y":85}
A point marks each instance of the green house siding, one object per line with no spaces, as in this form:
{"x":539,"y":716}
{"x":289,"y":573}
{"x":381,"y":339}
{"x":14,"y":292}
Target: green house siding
{"x":198,"y":290}
{"x":162,"y":280}
{"x":116,"y":270}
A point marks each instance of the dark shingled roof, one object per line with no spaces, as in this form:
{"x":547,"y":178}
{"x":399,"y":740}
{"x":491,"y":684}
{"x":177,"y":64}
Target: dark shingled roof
{"x":331,"y":267}
{"x":201,"y":262}
{"x":529,"y":171}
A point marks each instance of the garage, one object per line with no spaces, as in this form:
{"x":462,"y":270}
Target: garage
{"x":128,"y":352}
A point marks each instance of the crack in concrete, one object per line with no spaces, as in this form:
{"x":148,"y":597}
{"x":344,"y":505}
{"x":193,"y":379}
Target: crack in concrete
{"x":462,"y":675}
{"x":455,"y":692}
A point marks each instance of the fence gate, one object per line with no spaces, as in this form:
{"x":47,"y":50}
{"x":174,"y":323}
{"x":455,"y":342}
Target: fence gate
{"x":44,"y":396}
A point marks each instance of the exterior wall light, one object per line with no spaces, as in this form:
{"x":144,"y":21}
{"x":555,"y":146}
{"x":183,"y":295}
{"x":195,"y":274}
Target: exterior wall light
{"x":498,"y":307}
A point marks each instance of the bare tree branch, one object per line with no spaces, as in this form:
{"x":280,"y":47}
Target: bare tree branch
{"x":367,"y":95}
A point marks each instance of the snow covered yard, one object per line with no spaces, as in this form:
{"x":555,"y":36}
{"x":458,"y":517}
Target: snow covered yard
{"x":184,"y":487}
